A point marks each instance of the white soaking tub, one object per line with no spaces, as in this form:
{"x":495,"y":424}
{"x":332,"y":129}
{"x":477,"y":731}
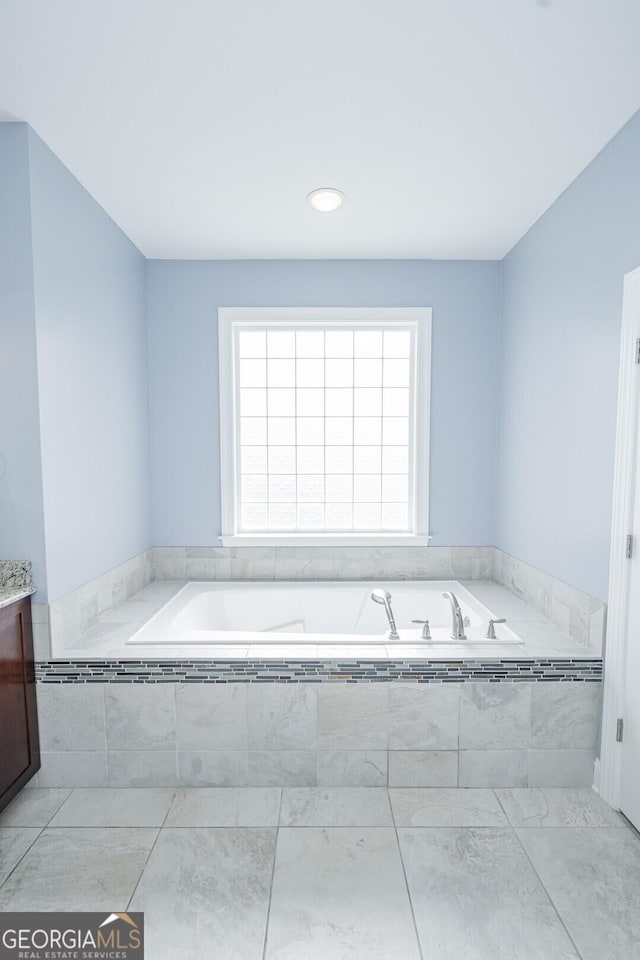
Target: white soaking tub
{"x":285,"y":612}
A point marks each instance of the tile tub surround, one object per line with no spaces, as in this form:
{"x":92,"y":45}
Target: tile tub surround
{"x":579,"y":615}
{"x":72,"y":615}
{"x":400,"y":733}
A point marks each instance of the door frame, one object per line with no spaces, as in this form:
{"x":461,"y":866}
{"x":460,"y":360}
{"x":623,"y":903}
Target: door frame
{"x":628,"y":423}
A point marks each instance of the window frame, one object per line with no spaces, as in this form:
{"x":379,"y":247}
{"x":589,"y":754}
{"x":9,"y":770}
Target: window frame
{"x":228,"y":319}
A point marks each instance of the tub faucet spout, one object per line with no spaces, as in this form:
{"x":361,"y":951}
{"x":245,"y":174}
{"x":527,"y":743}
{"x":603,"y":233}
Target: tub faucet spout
{"x":457,"y":621}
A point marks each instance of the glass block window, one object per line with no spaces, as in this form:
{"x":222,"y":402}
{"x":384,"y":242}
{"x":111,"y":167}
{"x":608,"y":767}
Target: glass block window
{"x":324,"y":425}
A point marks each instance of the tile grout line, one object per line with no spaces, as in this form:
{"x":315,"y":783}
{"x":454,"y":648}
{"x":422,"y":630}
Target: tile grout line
{"x":542,"y":884}
{"x":153,"y":846}
{"x":30,"y":847}
{"x":273,"y":873}
{"x":404,"y":874}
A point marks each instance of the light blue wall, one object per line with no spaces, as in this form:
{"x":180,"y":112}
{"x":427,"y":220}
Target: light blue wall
{"x":90,"y":308}
{"x":562,"y":301}
{"x":183,"y":297}
{"x":21,"y":510}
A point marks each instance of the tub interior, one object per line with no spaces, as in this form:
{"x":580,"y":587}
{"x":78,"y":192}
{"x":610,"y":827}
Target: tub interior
{"x":287,"y":612}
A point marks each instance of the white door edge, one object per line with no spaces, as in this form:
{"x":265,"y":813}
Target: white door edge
{"x":616,"y":637}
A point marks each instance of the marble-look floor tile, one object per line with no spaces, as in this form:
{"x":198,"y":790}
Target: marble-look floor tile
{"x":335,"y":807}
{"x":225,"y":807}
{"x":476,"y":896}
{"x":14,"y":843}
{"x":205,"y":893}
{"x":337,"y":894}
{"x":33,"y":808}
{"x":557,"y":807}
{"x":415,"y":807}
{"x":79,"y":869}
{"x":108,"y":807}
{"x":593,"y":878}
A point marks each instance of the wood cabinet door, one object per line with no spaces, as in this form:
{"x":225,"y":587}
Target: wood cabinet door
{"x":19,"y":751}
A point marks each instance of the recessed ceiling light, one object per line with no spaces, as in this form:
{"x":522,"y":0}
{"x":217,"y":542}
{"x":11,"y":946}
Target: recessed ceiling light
{"x":326,"y":199}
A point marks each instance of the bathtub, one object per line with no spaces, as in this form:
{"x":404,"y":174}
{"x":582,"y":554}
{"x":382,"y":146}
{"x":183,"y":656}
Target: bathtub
{"x":313,"y":613}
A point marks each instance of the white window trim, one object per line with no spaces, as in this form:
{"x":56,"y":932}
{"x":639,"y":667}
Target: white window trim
{"x":227,"y":316}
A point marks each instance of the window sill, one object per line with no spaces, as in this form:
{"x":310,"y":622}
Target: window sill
{"x":325,"y":540}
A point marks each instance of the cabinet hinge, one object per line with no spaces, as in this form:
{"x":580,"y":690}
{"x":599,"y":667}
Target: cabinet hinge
{"x":619,"y":730}
{"x":638,"y":350}
{"x":628,"y":549}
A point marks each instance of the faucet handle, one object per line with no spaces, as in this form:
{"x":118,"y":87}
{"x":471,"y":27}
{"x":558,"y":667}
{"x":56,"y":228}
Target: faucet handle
{"x":426,"y":632}
{"x":491,"y":633}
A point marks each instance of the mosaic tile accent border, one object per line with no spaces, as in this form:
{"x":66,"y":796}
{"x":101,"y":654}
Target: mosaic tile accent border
{"x":316,"y":671}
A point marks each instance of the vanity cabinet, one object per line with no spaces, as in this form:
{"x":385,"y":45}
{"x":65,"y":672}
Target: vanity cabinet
{"x":19,"y":747}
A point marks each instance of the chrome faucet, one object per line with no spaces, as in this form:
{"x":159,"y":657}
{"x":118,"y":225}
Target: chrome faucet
{"x":426,"y":631}
{"x":457,"y":621}
{"x":384,"y":597}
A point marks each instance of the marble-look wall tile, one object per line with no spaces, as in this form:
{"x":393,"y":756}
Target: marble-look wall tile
{"x":495,"y":715}
{"x":213,"y":768}
{"x":282,"y":768}
{"x":353,"y":716}
{"x":423,"y":768}
{"x":140,"y":716}
{"x":141,"y":768}
{"x":41,"y":641}
{"x":576,"y":613}
{"x":561,"y":768}
{"x":492,"y":768}
{"x":71,"y":716}
{"x":169,"y":563}
{"x":565,"y":715}
{"x":211,"y":716}
{"x":282,"y":716}
{"x":251,"y":563}
{"x":77,"y":611}
{"x":352,"y":768}
{"x":73,"y":768}
{"x":423,"y":716}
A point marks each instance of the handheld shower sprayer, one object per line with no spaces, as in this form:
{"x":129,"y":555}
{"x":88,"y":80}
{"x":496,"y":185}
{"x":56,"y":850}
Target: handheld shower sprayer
{"x":384,"y":597}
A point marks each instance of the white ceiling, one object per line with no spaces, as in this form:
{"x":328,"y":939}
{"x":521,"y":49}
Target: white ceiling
{"x":201,"y":125}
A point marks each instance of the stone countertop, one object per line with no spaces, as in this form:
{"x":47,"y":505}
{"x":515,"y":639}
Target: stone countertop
{"x":10,"y":595}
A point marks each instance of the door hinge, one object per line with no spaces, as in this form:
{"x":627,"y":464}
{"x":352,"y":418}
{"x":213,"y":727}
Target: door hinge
{"x":628,"y":549}
{"x":638,"y":350}
{"x":619,"y":730}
